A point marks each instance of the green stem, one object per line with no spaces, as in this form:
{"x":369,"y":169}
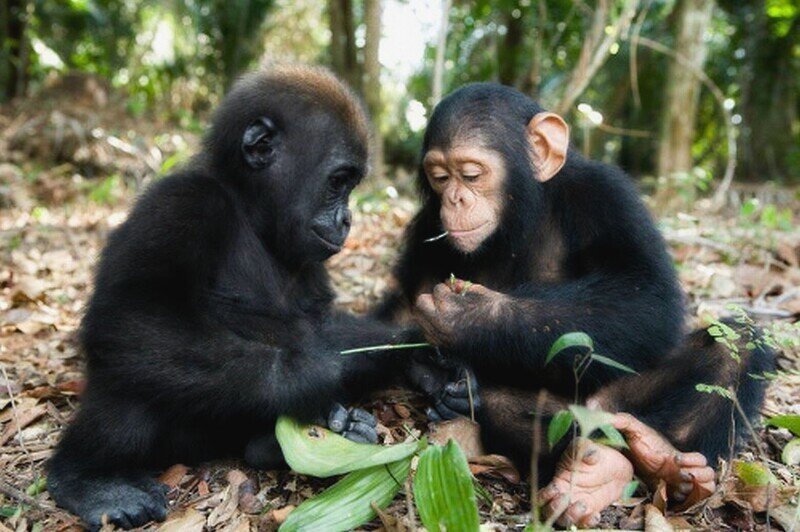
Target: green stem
{"x":385,"y":347}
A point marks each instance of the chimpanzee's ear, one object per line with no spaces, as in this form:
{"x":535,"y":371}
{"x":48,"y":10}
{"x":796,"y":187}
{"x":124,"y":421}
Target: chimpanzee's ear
{"x":549,"y":138}
{"x":258,"y":142}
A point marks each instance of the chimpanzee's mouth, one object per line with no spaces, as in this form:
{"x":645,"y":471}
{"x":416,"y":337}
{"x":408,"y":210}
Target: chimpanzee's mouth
{"x":465,"y":232}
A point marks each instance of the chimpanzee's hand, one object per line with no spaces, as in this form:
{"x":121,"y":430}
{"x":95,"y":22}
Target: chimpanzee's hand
{"x":460,"y":397}
{"x":355,"y":424}
{"x":448,"y":313}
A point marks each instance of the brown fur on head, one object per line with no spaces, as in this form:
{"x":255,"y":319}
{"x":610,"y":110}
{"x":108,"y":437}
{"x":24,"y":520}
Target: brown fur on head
{"x":320,"y":85}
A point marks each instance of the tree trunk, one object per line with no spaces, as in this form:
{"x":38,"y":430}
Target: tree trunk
{"x":683,"y":87}
{"x":768,"y":101}
{"x":13,"y":47}
{"x":344,"y":60}
{"x":372,"y":79}
{"x":508,"y":53}
{"x":441,"y":48}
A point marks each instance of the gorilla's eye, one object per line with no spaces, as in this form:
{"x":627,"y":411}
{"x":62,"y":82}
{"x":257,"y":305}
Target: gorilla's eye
{"x":440,"y":178}
{"x":342,"y":178}
{"x":470,"y":178}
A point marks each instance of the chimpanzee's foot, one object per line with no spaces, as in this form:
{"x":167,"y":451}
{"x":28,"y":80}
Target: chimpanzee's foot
{"x":588,"y":478}
{"x":123,"y":502}
{"x":355,"y":424}
{"x":687,"y":475}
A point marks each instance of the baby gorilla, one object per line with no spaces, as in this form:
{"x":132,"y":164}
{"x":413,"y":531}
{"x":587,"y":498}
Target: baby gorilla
{"x":211,"y":314}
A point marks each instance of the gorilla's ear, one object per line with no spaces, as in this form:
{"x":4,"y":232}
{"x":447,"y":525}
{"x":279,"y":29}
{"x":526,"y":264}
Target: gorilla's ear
{"x":258,"y":142}
{"x":549,"y":138}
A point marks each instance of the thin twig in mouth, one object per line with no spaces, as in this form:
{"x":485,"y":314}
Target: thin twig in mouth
{"x":437,"y":237}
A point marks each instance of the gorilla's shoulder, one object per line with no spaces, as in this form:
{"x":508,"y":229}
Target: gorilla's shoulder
{"x":185,"y":196}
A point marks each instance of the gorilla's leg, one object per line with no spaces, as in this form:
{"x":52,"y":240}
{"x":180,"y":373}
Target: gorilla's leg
{"x":98,"y":472}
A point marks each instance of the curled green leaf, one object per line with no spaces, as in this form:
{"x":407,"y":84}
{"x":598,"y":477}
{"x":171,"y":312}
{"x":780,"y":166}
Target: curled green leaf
{"x":316,"y":451}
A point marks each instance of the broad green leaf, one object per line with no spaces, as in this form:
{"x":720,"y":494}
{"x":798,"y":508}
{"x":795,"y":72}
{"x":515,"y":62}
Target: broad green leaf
{"x":790,"y":422}
{"x":558,"y":427}
{"x":347,"y":504}
{"x":316,"y":451}
{"x":613,"y":363}
{"x":753,"y":473}
{"x":612,"y":437}
{"x":791,"y":453}
{"x":443,"y":490}
{"x":629,"y":490}
{"x":590,"y":420}
{"x":565,"y":341}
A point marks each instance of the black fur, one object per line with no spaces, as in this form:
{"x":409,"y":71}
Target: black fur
{"x":614,"y":280}
{"x":211,"y":314}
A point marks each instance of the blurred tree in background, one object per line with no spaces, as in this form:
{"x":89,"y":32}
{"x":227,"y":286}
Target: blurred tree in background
{"x":670,"y":88}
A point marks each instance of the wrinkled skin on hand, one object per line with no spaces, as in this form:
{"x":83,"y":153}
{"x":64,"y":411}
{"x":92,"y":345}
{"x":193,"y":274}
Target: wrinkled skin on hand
{"x":451,"y":309}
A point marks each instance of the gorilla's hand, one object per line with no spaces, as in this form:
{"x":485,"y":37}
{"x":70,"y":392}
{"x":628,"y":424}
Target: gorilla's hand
{"x":355,"y":424}
{"x":460,"y":397}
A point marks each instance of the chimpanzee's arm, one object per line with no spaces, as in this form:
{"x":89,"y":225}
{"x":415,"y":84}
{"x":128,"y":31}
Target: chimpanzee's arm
{"x":631,"y":318}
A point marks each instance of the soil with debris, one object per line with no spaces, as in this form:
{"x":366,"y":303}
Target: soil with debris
{"x":58,"y":205}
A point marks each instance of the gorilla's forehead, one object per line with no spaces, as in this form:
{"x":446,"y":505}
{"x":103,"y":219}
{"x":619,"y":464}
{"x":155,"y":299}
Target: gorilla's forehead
{"x":307,"y":86}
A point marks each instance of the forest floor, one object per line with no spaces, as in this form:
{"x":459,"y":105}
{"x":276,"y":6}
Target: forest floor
{"x":54,"y":220}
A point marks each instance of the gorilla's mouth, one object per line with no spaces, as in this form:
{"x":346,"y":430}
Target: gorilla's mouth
{"x":331,"y":246}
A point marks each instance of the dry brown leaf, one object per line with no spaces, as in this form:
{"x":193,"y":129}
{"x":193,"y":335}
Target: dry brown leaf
{"x":660,"y":496}
{"x":249,"y":503}
{"x":189,"y":521}
{"x":390,"y":523}
{"x":230,"y":501}
{"x":679,"y":523}
{"x":464,"y":432}
{"x":654,"y":520}
{"x":72,"y":387}
{"x":754,"y":279}
{"x":634,"y":521}
{"x":22,"y":419}
{"x":238,"y":524}
{"x":494,"y":464}
{"x":788,"y":253}
{"x":281,"y":514}
{"x":173,"y":476}
{"x":402,"y":410}
{"x":787,"y":515}
{"x":28,"y":288}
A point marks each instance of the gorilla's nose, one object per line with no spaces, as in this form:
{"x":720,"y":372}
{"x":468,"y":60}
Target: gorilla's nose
{"x":344,"y":218}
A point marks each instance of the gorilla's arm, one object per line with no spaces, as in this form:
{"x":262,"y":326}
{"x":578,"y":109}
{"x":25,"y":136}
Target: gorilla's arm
{"x":151,"y":331}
